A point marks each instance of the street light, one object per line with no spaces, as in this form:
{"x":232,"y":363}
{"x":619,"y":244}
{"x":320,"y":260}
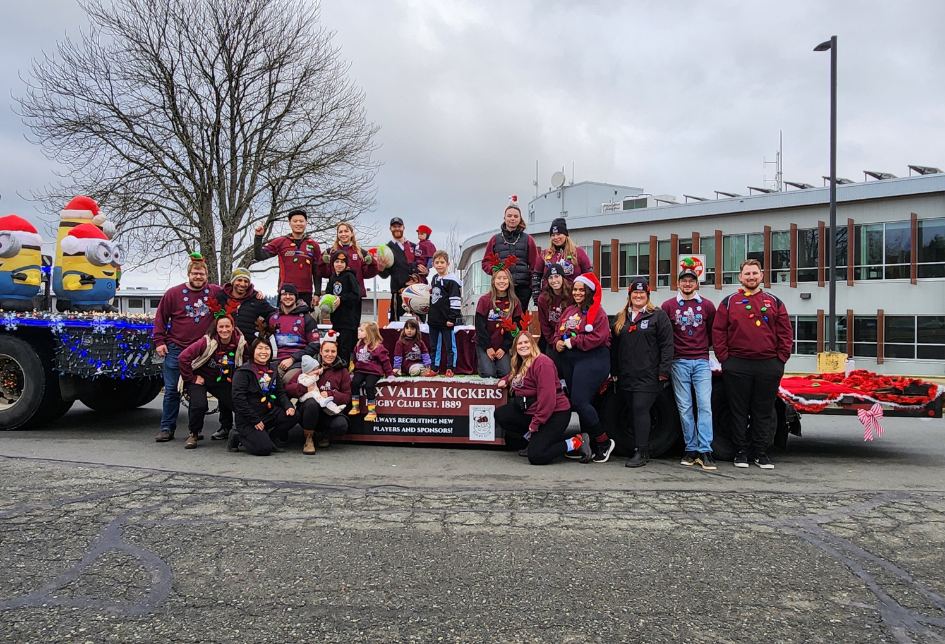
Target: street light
{"x":832,"y":319}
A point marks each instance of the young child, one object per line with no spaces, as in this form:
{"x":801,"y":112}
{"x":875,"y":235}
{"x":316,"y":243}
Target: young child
{"x":371,"y":361}
{"x":497,"y":314}
{"x":446,"y":295}
{"x":345,"y":319}
{"x":411,"y":355}
{"x":425,"y":250}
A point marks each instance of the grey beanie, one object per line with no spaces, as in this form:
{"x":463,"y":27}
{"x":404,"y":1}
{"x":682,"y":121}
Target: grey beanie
{"x":309,"y":364}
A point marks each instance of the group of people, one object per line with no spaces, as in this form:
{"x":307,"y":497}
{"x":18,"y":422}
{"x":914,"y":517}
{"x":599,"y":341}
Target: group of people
{"x":647,"y":348}
{"x":253,"y":358}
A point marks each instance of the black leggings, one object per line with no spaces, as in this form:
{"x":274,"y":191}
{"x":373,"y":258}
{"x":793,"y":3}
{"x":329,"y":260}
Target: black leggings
{"x":639,"y":404}
{"x":313,"y":418}
{"x":585,"y":372}
{"x":547,"y":443}
{"x":259,"y":442}
{"x":524,"y":295}
{"x":347,"y":338}
{"x":368,"y":380}
{"x":199,"y":405}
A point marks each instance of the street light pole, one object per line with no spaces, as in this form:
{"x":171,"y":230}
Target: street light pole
{"x":832,"y":315}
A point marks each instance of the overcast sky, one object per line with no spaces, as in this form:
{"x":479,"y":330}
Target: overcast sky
{"x":673,"y":97}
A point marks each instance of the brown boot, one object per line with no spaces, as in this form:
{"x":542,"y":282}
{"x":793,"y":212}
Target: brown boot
{"x":191,"y":442}
{"x":323,"y":440}
{"x":309,"y":447}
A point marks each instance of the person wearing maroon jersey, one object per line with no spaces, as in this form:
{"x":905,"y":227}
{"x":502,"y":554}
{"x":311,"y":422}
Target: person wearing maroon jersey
{"x":497,"y":314}
{"x":555,"y":297}
{"x":752,"y":337}
{"x":562,"y":250}
{"x":359,"y":260}
{"x":692,"y":316}
{"x":298,"y":257}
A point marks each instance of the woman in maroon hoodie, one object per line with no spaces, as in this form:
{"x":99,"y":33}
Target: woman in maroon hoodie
{"x":206,"y":367}
{"x":537,"y":407}
{"x":371,"y":362}
{"x":553,"y":300}
{"x":323,"y":390}
{"x":583,"y":341}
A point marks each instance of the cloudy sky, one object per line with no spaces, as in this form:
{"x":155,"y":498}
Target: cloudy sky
{"x":673,"y":97}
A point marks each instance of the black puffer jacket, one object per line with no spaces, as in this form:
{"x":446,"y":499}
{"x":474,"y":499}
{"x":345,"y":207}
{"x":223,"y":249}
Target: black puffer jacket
{"x":642,"y":352}
{"x":252,"y":405}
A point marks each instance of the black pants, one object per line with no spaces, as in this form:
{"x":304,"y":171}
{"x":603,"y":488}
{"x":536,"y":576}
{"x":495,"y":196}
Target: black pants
{"x":584,"y":373}
{"x":547,"y":443}
{"x":442,"y":337}
{"x":549,"y":351}
{"x":368,"y":380}
{"x":347,"y":339}
{"x":638,"y":404}
{"x":259,"y":442}
{"x":199,"y":405}
{"x":752,"y":388}
{"x":396,"y":307}
{"x":524,"y":295}
{"x":313,"y":418}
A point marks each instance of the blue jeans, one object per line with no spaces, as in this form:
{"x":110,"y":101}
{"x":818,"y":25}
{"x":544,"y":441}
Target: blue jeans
{"x":171,"y":372}
{"x":689,"y":375}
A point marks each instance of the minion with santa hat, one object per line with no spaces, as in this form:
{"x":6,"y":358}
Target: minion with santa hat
{"x":20,"y":263}
{"x":89,"y":269}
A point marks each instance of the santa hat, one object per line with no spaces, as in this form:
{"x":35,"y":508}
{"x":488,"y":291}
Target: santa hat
{"x":590,"y":281}
{"x":513,"y":203}
{"x":86,"y":208}
{"x":23,"y":230}
{"x":80,"y":238}
{"x":330,"y":336}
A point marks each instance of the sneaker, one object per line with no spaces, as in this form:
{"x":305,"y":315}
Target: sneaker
{"x":234,"y":441}
{"x":706,"y":461}
{"x":164,"y":436}
{"x":741,"y":460}
{"x":449,"y":373}
{"x":191,"y":442}
{"x":221,"y":434}
{"x":428,"y":373}
{"x":689,"y":458}
{"x":576,"y":454}
{"x":355,"y":410}
{"x":602,"y":450}
{"x":764,"y":462}
{"x":584,"y":451}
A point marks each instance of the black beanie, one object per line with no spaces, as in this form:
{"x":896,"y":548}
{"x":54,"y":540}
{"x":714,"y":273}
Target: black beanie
{"x":554,"y":269}
{"x":559,"y":227}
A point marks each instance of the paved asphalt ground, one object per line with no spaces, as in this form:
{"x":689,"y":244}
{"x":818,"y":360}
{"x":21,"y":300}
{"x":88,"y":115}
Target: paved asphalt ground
{"x":109,"y":537}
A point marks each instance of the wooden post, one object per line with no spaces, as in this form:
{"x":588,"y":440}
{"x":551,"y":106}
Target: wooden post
{"x":851,"y":254}
{"x":673,"y":264}
{"x":596,"y":259}
{"x":718,"y":260}
{"x":914,"y":254}
{"x":821,"y":247}
{"x":615,"y":265}
{"x":820,"y":330}
{"x":654,"y":249}
{"x":767,"y":257}
{"x":880,"y":335}
{"x":850,"y":331}
{"x":695,"y":244}
{"x":793,"y":255}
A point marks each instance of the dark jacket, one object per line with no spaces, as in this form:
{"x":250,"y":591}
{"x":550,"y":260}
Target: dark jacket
{"x":528,"y":268}
{"x":404,"y":265}
{"x":345,"y":285}
{"x":252,"y":405}
{"x":642,"y":352}
{"x":446,"y":298}
{"x":250,"y":309}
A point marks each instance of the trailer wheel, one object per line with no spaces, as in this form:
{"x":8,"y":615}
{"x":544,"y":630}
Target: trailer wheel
{"x":113,"y":394}
{"x":665,"y":430}
{"x":149,"y":390}
{"x":722,"y":446}
{"x":23,"y":383}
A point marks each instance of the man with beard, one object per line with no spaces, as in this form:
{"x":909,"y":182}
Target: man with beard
{"x":404,"y":266}
{"x":241,"y":290}
{"x":295,"y":331}
{"x":752,"y":337}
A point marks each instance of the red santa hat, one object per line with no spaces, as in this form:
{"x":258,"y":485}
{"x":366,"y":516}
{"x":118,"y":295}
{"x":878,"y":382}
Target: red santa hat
{"x":23,"y":230}
{"x":85,"y":208}
{"x":590,"y":281}
{"x":330,"y":336}
{"x":80,"y":237}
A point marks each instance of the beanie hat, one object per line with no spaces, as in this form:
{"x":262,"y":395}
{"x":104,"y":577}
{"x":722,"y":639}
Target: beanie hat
{"x":639,"y":284}
{"x":425,"y":230}
{"x":330,"y":336}
{"x":554,"y":269}
{"x":297,"y":211}
{"x":590,"y":281}
{"x":309,"y":364}
{"x":339,"y":254}
{"x":559,"y":227}
{"x":240,"y":272}
{"x":288,"y":288}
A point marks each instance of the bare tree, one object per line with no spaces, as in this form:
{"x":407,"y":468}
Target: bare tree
{"x":191,"y":121}
{"x":451,"y":245}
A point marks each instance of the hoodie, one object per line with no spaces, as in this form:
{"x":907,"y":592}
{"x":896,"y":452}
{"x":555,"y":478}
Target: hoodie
{"x":334,"y":381}
{"x":214,"y":362}
{"x":376,"y":362}
{"x":258,"y":395}
{"x":345,"y":286}
{"x":446,"y":298}
{"x":250,"y":309}
{"x":293,"y":331}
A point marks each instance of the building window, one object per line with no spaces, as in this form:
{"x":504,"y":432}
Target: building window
{"x":842,"y":255}
{"x":477,"y":282}
{"x":154,"y":302}
{"x":899,"y":338}
{"x":930,"y":337}
{"x":708,"y":249}
{"x":733,"y":254}
{"x":808,"y":254}
{"x":136,"y":304}
{"x":780,"y":271}
{"x":634,"y":262}
{"x":606,"y":276}
{"x":865,"y":336}
{"x":914,"y":337}
{"x":805,"y":334}
{"x":685,"y":246}
{"x":883,"y":251}
{"x":664,"y":263}
{"x":898,"y":250}
{"x":868,"y":252}
{"x":931,"y":246}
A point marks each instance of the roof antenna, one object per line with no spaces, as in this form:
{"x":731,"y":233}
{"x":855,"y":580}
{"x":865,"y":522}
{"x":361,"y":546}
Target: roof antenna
{"x":778,"y":169}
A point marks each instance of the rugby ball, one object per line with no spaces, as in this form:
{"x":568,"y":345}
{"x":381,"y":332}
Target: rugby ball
{"x":416,"y":298}
{"x":385,"y":255}
{"x":329,"y":304}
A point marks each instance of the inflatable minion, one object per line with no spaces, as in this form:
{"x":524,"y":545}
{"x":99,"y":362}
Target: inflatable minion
{"x":20,"y":263}
{"x":81,"y":210}
{"x":89,"y":265}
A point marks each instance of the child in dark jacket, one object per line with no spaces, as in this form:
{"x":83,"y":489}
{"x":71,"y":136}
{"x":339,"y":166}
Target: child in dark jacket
{"x":411,"y":355}
{"x":343,"y":284}
{"x":446,"y":296}
{"x":371,"y":362}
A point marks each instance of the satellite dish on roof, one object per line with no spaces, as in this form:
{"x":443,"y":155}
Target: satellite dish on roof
{"x":557,"y":179}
